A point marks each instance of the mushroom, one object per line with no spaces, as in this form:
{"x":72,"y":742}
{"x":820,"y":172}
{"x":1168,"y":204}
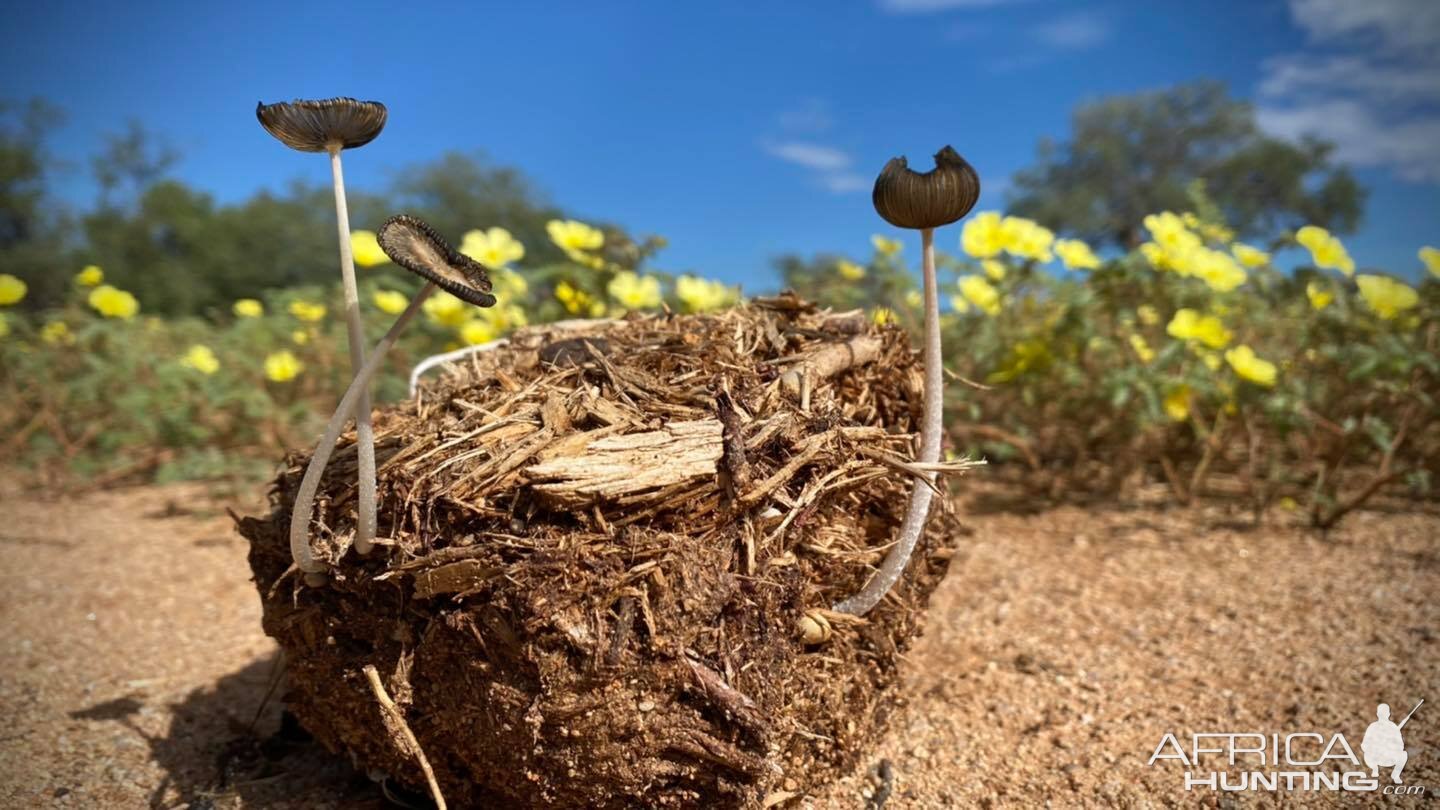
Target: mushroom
{"x":414,"y":245}
{"x":908,"y":199}
{"x":330,"y":126}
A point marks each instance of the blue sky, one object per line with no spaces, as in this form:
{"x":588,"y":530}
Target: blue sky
{"x":738,"y":130}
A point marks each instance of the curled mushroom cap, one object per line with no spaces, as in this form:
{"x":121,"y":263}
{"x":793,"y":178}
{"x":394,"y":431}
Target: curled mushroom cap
{"x":411,"y":243}
{"x":317,"y":126}
{"x":909,"y":199}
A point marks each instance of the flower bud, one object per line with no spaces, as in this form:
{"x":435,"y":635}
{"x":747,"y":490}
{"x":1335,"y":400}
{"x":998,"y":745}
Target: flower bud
{"x":411,"y":243}
{"x":909,"y":199}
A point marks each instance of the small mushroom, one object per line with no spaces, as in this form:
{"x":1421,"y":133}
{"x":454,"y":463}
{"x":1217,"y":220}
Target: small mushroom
{"x":332,"y":125}
{"x":909,"y":199}
{"x":415,"y":246}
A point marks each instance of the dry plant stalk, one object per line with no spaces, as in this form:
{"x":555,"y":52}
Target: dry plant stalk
{"x":410,"y":745}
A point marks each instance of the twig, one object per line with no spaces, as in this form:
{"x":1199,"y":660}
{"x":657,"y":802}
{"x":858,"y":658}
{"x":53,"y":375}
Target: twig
{"x":1172,"y":476}
{"x":393,"y":713}
{"x":1002,"y":435}
{"x":1212,"y":443}
{"x":1382,"y":477}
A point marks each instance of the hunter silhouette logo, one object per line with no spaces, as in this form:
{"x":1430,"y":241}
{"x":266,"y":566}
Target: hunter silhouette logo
{"x":1383,"y":746}
{"x":1306,"y":761}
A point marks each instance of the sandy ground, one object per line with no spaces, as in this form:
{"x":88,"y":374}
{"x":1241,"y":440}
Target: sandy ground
{"x":1061,"y":649}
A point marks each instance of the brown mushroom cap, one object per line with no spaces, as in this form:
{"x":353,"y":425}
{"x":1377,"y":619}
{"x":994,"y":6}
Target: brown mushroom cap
{"x":317,"y":126}
{"x":909,"y":199}
{"x":411,"y":243}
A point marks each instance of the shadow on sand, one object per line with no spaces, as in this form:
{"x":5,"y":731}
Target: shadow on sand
{"x":231,"y":744}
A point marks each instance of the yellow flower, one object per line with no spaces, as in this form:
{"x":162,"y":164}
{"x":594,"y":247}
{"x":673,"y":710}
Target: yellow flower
{"x":959,"y":304}
{"x":994,"y":269}
{"x":475,"y":332}
{"x":1249,"y":256}
{"x":1250,"y":367}
{"x":1190,"y":220}
{"x":882,"y":316}
{"x":307,"y":311}
{"x":366,"y":249}
{"x":57,"y":333}
{"x":1326,"y":250}
{"x":1386,"y":296}
{"x":248,"y":308}
{"x":1147,"y":314}
{"x":981,"y":237}
{"x":1319,"y":296}
{"x":1170,"y":233}
{"x":1155,"y":255}
{"x":113,"y":303}
{"x":1430,"y":257}
{"x":282,"y":366}
{"x":300,"y":337}
{"x":12,"y":290}
{"x":1177,"y":403}
{"x":1217,"y":233}
{"x":1076,"y":254}
{"x":494,"y":248}
{"x":578,"y":302}
{"x":1215,"y":268}
{"x":201,"y":358}
{"x":981,"y":293}
{"x":1191,"y":325}
{"x":91,"y":276}
{"x":884,"y":246}
{"x":389,"y":301}
{"x":576,"y":238}
{"x":702,"y":295}
{"x":509,"y":285}
{"x":850,"y":271}
{"x":1027,"y":239}
{"x":1142,"y":349}
{"x":1025,"y":355}
{"x":446,"y":310}
{"x":634,"y":291}
{"x":1210,"y":359}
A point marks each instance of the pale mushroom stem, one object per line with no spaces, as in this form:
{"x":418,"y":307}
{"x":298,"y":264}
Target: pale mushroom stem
{"x":931,"y":426}
{"x":304,"y":507}
{"x":364,"y":434}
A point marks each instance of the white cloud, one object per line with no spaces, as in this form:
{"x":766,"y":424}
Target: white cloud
{"x":842,"y":182}
{"x":1361,"y":138}
{"x":1053,"y":39}
{"x":1075,"y":32}
{"x":1405,"y":24}
{"x":1370,"y":85}
{"x":1306,"y":74}
{"x":928,"y":6}
{"x":828,"y":166}
{"x":810,"y":155}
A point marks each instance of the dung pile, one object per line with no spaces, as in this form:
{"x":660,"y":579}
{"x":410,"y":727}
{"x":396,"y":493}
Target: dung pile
{"x":608,"y":557}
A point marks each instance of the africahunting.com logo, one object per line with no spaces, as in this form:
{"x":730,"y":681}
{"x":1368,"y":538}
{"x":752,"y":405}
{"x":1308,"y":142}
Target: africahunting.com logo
{"x":1298,"y":761}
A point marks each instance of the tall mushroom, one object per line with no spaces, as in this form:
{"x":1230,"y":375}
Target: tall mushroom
{"x":415,"y":246}
{"x":330,"y":126}
{"x":908,"y":199}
